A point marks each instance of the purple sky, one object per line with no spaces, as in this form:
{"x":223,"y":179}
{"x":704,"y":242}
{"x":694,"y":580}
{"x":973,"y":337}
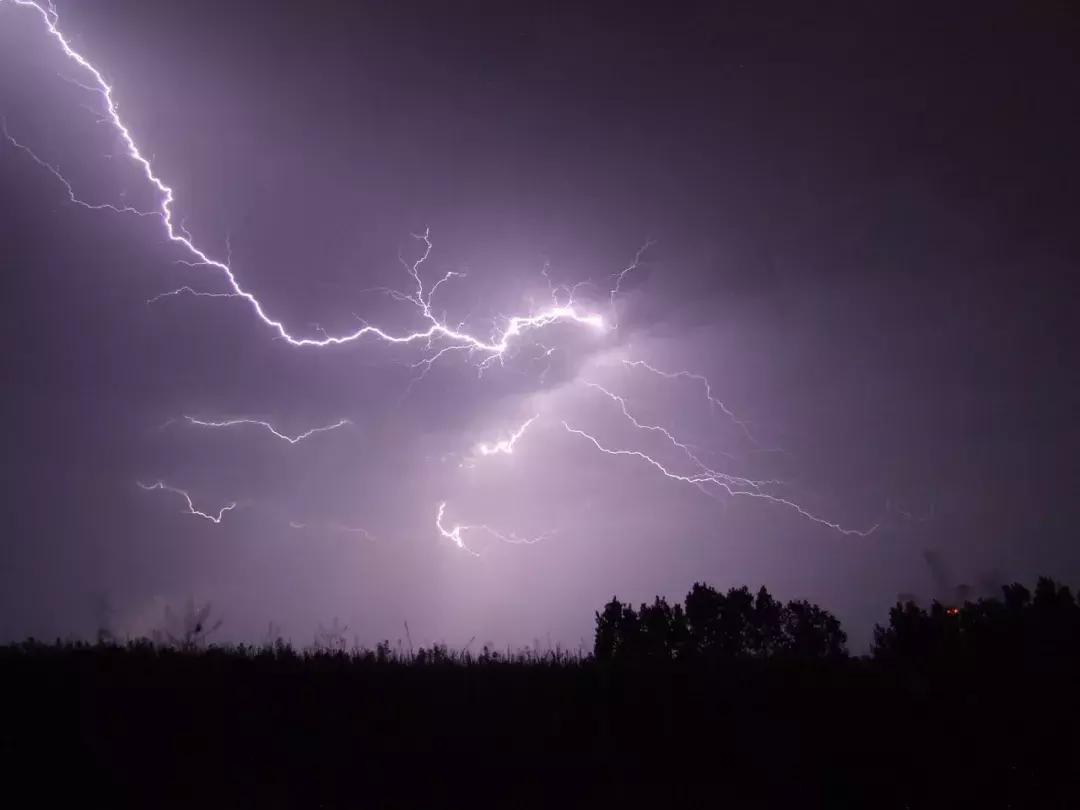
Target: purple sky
{"x":864,"y":237}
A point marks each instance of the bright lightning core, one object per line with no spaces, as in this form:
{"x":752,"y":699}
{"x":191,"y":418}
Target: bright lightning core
{"x":505,"y":446}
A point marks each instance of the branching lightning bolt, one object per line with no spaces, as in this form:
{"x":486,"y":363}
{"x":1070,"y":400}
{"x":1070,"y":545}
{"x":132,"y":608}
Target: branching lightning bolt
{"x":686,"y":449}
{"x":701,"y":479}
{"x":705,"y":478}
{"x":706,"y":386}
{"x":455,"y":338}
{"x":454,"y":534}
{"x":269,"y":427}
{"x":191,"y":510}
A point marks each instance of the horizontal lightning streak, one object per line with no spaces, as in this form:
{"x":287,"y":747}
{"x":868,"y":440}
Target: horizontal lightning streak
{"x":269,"y":427}
{"x":186,"y":290}
{"x":335,"y":527}
{"x":191,"y":510}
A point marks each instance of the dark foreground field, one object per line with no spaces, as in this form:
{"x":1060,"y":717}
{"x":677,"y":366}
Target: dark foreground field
{"x":956,"y":708}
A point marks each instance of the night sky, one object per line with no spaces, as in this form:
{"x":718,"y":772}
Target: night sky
{"x":860,"y":225}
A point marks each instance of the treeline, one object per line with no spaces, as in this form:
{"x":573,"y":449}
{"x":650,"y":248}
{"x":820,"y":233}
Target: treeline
{"x":1035,"y":629}
{"x":715,"y":625}
{"x":726,"y":698}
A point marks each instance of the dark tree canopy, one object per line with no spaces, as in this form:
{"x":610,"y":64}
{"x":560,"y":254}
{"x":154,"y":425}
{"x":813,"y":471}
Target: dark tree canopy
{"x":1039,"y":630}
{"x":711,"y":624}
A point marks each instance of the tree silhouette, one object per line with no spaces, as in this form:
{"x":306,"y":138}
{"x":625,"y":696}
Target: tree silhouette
{"x":715,"y":625}
{"x":1037,"y":630}
{"x":810,"y":632}
{"x":617,"y":629}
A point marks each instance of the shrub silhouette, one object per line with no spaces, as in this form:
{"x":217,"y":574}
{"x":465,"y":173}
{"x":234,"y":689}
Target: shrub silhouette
{"x":188,"y":631}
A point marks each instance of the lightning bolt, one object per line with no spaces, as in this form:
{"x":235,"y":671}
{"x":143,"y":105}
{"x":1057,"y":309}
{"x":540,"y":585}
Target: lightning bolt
{"x":54,"y":170}
{"x":342,"y":528}
{"x":706,"y":386}
{"x":454,"y":533}
{"x":269,"y":427}
{"x":186,"y":290}
{"x":701,"y":479}
{"x":336,"y":527}
{"x":670,"y":437}
{"x":455,"y":338}
{"x":505,"y":446}
{"x":622,"y":274}
{"x":191,"y":510}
